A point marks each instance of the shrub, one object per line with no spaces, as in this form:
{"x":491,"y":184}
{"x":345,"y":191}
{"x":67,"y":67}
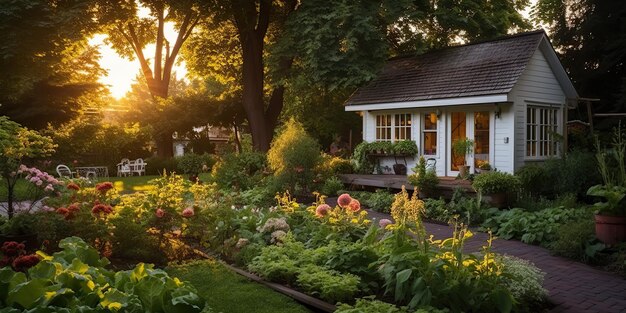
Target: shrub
{"x":534,"y":180}
{"x":332,"y":186}
{"x":576,"y":240}
{"x":495,"y":182}
{"x":160,"y":165}
{"x":370,"y":306}
{"x":524,"y":280}
{"x":293,"y":157}
{"x":425,"y":181}
{"x":192,"y":163}
{"x":332,"y":165}
{"x":532,"y":203}
{"x":329,"y":285}
{"x":240,"y":171}
{"x":381,"y":201}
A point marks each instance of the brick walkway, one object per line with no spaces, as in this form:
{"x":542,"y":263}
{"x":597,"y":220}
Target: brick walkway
{"x":572,"y":286}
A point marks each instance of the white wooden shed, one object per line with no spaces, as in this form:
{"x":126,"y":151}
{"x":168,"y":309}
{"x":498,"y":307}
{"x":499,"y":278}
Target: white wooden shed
{"x":510,"y":95}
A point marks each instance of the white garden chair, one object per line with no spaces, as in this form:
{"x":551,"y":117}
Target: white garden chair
{"x":64,"y":171}
{"x":139,"y":167}
{"x":124,"y":168}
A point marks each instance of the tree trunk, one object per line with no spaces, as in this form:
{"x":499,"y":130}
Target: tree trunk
{"x":253,"y":90}
{"x":165,"y":145}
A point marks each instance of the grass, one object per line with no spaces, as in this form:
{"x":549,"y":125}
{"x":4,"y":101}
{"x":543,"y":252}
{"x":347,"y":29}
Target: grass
{"x":226,"y":291}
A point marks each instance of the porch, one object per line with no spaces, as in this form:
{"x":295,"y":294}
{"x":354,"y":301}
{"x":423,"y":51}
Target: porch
{"x":446,"y":187}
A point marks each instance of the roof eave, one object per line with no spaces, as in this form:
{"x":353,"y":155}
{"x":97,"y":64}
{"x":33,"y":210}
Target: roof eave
{"x":495,"y":98}
{"x":557,"y":68}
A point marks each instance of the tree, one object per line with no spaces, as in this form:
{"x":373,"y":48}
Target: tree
{"x":588,"y":35}
{"x":46,"y":62}
{"x":16,"y":145}
{"x":337,"y":43}
{"x":129,"y":34}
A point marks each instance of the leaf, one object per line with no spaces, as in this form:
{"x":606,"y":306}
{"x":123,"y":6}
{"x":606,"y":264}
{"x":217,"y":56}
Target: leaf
{"x":401,"y":278}
{"x":26,"y":294}
{"x":503,"y":301}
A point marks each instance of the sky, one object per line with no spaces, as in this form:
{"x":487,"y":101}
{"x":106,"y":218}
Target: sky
{"x":122,"y":72}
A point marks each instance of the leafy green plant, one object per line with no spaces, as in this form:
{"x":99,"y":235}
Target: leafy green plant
{"x":240,"y":171}
{"x":360,"y":160}
{"x":192,"y":163}
{"x":332,"y":186}
{"x":405,"y":147}
{"x":533,"y":227}
{"x":76,"y":278}
{"x":614,"y":196}
{"x":463,"y":147}
{"x":495,"y":182}
{"x":329,"y":285}
{"x":371,"y":306}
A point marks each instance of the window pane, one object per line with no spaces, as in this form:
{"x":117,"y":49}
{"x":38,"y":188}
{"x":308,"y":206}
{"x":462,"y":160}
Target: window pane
{"x":430,"y":143}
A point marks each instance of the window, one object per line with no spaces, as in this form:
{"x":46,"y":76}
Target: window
{"x":383,"y":127}
{"x":541,"y":131}
{"x":393,"y":127}
{"x":430,"y":133}
{"x":402,"y":127}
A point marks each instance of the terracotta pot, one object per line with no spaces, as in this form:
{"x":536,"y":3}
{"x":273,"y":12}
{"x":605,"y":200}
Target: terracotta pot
{"x":497,"y":200}
{"x":611,"y":229}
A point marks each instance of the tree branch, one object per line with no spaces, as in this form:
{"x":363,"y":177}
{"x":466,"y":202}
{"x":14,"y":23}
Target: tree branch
{"x":132,"y":39}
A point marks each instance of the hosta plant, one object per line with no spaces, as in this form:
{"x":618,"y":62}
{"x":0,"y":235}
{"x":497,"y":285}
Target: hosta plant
{"x":75,"y":280}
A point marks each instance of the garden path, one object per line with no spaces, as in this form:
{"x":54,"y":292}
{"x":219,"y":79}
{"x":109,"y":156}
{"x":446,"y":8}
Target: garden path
{"x":572,"y":286}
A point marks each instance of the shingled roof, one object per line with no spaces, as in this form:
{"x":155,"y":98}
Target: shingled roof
{"x":485,"y":68}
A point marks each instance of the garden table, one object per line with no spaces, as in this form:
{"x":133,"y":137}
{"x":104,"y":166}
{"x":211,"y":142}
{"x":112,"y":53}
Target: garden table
{"x":95,"y":171}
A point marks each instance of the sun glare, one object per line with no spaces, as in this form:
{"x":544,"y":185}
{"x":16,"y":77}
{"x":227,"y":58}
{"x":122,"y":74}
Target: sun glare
{"x":122,"y":72}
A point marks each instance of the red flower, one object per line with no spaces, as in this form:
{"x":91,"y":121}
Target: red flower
{"x":5,"y":261}
{"x":104,"y":187}
{"x":160,"y":213}
{"x":73,"y":208}
{"x":322,"y":210}
{"x":12,"y":248}
{"x":24,"y":262}
{"x":354,"y":205}
{"x":63,"y":211}
{"x":101,"y":209}
{"x":344,"y":200}
{"x":73,"y":186}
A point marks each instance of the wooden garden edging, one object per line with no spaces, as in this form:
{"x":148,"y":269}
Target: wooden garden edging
{"x":296,"y":295}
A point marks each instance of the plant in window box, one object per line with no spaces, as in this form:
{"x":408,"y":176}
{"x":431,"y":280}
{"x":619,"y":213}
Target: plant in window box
{"x":463,"y":148}
{"x":611,"y":215}
{"x":496,"y":185}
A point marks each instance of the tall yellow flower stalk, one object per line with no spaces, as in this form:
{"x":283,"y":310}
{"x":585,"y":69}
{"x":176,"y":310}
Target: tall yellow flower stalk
{"x":407,"y":211}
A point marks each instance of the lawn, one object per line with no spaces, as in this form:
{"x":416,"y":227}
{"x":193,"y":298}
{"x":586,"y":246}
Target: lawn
{"x":130,"y":184}
{"x":226,"y":291}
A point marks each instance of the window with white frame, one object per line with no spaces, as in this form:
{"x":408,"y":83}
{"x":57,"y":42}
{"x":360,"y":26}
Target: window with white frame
{"x":430,"y":133}
{"x":393,"y":127}
{"x":402,"y":129}
{"x":542,"y":125}
{"x":383,"y":127}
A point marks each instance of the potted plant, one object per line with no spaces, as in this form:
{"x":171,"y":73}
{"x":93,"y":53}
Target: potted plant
{"x":483,"y":166}
{"x":496,"y":186}
{"x":610,"y":215}
{"x":403,"y":148}
{"x":462,"y":148}
{"x":426,"y":181}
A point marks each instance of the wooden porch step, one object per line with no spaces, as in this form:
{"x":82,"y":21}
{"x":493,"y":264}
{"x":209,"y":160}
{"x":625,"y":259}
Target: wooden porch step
{"x":397,"y":181}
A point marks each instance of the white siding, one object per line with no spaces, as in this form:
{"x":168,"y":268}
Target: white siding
{"x":503,"y":139}
{"x":536,"y":84}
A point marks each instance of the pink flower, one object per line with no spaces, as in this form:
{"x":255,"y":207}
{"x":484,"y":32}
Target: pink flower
{"x":49,"y":188}
{"x":344,"y":200}
{"x":39,"y":183}
{"x":160,"y":213}
{"x":384,"y":223}
{"x":322,"y":210}
{"x":188,"y":212}
{"x":354,"y":205}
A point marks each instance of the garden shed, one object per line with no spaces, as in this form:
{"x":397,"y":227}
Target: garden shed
{"x":509,"y":95}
